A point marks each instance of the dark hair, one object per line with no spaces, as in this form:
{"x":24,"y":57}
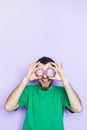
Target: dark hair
{"x":45,"y":60}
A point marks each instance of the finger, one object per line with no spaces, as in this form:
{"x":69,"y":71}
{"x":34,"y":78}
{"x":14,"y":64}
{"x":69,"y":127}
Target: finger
{"x":54,"y":69}
{"x":56,"y":65}
{"x":38,"y":78}
{"x":53,"y":64}
{"x":52,"y":78}
{"x":36,"y":64}
{"x":33,"y":65}
{"x":60,"y":66}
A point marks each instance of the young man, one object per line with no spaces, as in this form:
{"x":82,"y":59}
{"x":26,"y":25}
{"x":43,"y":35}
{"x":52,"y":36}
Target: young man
{"x":44,"y":102}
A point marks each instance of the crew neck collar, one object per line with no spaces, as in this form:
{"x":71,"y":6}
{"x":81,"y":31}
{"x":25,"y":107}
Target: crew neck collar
{"x":45,"y":90}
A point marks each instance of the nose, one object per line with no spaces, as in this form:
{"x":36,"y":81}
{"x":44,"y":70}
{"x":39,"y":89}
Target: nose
{"x":44,"y":76}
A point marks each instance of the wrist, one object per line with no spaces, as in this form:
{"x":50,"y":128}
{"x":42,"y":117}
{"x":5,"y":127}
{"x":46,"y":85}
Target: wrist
{"x":25,"y":80}
{"x":64,"y":80}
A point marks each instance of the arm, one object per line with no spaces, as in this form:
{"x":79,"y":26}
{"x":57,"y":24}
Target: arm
{"x":12,"y":101}
{"x":75,"y":102}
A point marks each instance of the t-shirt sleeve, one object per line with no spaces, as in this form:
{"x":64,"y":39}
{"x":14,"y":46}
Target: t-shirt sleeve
{"x":23,"y":100}
{"x":64,"y":99}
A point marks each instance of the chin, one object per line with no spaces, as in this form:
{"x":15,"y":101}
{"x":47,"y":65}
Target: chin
{"x":45,"y":83}
{"x":46,"y":86}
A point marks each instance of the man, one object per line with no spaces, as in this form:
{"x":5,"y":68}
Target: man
{"x":44,"y":102}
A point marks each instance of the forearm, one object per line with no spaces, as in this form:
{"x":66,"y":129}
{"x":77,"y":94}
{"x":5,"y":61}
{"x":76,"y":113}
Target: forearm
{"x":12,"y":101}
{"x":75,"y":102}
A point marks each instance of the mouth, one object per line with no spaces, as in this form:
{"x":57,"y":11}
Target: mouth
{"x":45,"y":82}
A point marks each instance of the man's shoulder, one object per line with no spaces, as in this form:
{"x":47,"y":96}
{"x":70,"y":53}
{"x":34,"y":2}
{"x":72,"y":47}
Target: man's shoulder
{"x":30,"y":87}
{"x":59,"y":88}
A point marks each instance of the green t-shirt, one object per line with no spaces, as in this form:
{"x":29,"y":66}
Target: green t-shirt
{"x":44,"y":108}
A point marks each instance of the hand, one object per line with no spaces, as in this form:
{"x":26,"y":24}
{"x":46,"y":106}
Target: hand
{"x":31,"y":71}
{"x":58,"y":69}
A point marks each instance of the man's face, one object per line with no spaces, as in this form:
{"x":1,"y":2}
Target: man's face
{"x":44,"y":81}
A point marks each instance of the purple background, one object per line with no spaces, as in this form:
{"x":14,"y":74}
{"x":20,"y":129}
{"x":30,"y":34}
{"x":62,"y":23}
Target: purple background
{"x":31,"y":29}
